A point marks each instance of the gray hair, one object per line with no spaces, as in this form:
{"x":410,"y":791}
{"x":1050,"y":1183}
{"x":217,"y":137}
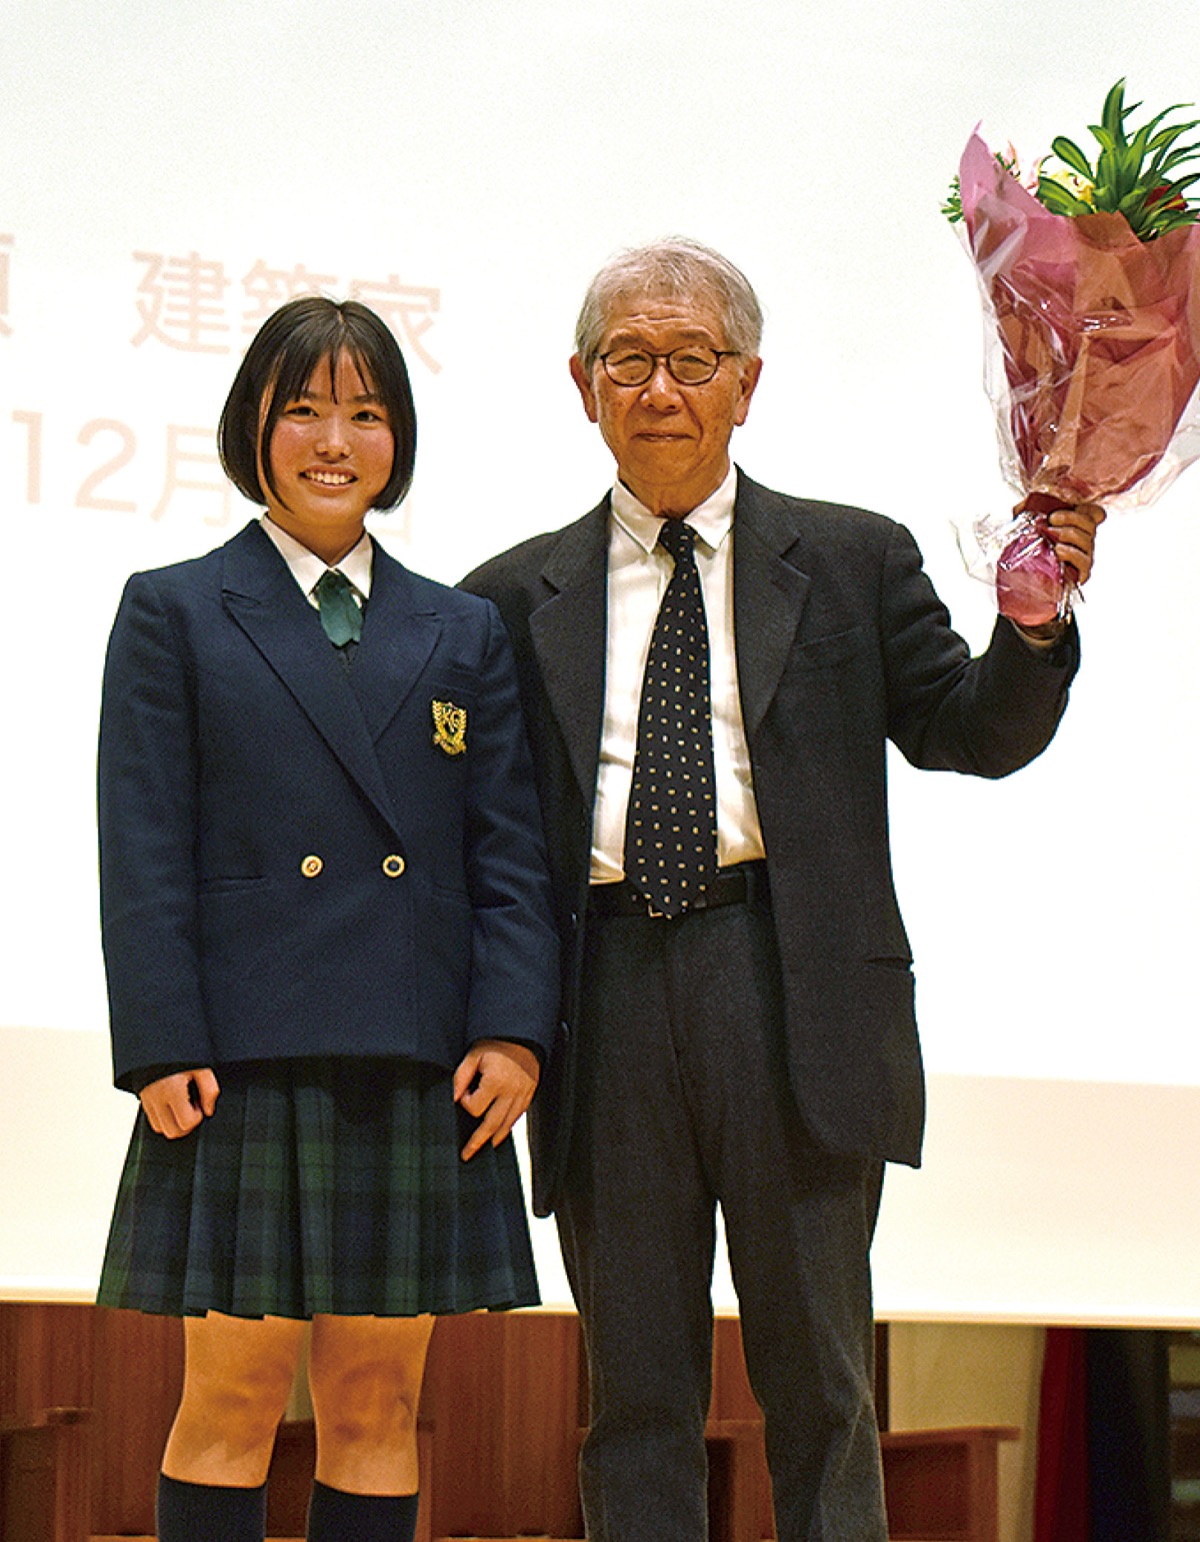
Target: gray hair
{"x":669,"y":270}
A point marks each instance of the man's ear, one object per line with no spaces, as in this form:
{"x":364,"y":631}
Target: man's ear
{"x":751,"y":370}
{"x":583,"y":383}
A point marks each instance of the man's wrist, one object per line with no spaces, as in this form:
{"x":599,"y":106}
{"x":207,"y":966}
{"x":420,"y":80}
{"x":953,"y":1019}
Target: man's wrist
{"x":1046,"y":633}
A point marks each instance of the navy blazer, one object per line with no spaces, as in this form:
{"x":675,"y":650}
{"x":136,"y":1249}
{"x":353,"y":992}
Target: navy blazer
{"x":842,"y":644}
{"x":295,"y":858}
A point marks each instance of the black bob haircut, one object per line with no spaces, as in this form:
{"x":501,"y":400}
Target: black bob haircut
{"x":288,"y":349}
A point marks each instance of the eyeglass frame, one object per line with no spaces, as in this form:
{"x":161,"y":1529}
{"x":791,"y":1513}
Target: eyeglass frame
{"x":665,"y":358}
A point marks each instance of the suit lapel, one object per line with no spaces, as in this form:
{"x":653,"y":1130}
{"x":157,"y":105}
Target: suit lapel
{"x":261,"y":596}
{"x":769,"y":594}
{"x":569,"y":637}
{"x":398,"y":640}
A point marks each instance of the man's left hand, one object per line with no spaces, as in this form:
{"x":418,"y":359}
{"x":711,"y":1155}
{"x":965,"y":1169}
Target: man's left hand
{"x":1074,"y":535}
{"x":495,"y":1084}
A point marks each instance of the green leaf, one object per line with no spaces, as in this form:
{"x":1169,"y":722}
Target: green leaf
{"x":1161,"y":164}
{"x":1107,"y":180}
{"x":1138,"y":146}
{"x":1067,"y":150}
{"x":1135,"y":174}
{"x":1115,"y":112}
{"x":952,"y":208}
{"x":1172,"y":131}
{"x":1059,"y":199}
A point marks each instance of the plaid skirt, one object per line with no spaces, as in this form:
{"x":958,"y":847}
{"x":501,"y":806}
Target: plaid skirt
{"x":331,"y":1186}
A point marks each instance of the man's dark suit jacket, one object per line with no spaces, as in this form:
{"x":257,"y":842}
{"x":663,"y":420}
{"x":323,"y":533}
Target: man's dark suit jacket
{"x":236,"y":748}
{"x":841,"y":644}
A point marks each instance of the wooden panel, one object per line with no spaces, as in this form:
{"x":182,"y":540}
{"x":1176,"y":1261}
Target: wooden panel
{"x":941,"y":1485}
{"x":541,"y":1380}
{"x":502,"y":1393}
{"x":45,"y":1358}
{"x":45,"y":1389}
{"x":733,"y":1403}
{"x":289,"y":1480}
{"x":731,"y":1396}
{"x":737,"y":1474}
{"x":139,"y":1376}
{"x":44,"y":1493}
{"x":462,"y":1395}
{"x":505,"y":1394}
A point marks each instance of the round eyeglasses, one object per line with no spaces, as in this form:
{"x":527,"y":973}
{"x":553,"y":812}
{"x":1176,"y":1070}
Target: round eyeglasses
{"x":686,"y":366}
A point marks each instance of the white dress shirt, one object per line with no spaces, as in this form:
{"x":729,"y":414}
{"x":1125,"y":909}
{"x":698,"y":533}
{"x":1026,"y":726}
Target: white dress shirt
{"x":638,"y":574}
{"x":308,"y":569}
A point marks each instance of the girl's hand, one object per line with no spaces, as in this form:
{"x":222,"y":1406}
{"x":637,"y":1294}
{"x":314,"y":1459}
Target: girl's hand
{"x":176,"y":1104}
{"x":495,"y":1084}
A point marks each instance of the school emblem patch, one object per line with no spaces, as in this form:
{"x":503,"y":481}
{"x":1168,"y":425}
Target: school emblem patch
{"x":449,"y":727}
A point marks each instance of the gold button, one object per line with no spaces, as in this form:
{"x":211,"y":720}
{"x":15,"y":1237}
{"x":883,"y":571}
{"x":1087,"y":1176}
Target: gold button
{"x":393,"y":866}
{"x":311,"y":866}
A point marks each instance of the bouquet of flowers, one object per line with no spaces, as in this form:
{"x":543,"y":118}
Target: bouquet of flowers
{"x":1091,"y":290}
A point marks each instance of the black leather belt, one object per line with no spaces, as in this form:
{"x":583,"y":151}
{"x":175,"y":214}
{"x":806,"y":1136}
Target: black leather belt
{"x":741,"y":885}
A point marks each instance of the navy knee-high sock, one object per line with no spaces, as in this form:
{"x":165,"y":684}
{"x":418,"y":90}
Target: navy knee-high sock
{"x":198,"y":1512}
{"x":334,"y":1516}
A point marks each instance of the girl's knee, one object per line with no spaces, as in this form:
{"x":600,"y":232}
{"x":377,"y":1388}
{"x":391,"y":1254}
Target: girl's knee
{"x":368,"y":1402}
{"x":239,"y":1415}
{"x":236,"y":1385}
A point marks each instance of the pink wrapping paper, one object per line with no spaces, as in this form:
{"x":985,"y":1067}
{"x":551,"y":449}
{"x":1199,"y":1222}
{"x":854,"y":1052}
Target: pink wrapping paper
{"x":1100,"y":339}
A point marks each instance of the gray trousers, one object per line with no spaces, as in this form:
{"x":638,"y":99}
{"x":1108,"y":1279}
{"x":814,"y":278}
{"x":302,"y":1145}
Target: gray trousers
{"x":684,"y":1104}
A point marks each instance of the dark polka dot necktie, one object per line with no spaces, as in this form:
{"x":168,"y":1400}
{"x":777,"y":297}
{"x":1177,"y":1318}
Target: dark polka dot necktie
{"x":671,"y":827}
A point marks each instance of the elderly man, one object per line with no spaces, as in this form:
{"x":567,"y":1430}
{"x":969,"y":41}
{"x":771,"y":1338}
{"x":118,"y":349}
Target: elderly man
{"x":710,"y":672}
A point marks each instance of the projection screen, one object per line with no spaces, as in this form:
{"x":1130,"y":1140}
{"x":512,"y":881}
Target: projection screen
{"x":173,"y":173}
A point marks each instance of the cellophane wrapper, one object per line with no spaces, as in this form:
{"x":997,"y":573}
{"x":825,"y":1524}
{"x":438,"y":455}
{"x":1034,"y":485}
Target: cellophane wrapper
{"x":1093,"y":350}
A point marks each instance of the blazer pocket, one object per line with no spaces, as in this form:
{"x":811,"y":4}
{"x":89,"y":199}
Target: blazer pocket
{"x":827,"y":652}
{"x":229,"y":885}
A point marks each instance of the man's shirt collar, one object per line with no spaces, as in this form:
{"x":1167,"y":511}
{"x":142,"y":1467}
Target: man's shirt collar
{"x":711,"y":520}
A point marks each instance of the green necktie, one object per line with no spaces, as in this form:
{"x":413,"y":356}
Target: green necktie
{"x":340,"y":615}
